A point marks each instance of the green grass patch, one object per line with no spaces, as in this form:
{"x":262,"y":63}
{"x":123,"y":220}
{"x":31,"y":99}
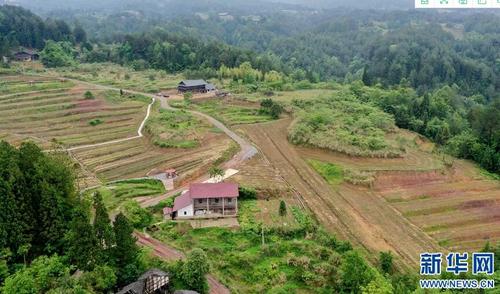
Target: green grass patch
{"x":175,"y":129}
{"x":115,"y":97}
{"x":444,"y":243}
{"x":489,"y":175}
{"x":435,"y":228}
{"x":332,"y":173}
{"x":287,"y":97}
{"x":231,"y":114}
{"x":429,"y":211}
{"x":228,"y":153}
{"x":96,"y":122}
{"x":37,"y":86}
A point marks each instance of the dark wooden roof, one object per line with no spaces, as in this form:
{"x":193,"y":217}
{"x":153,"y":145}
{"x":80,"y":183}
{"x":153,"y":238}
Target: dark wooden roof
{"x":152,"y":279}
{"x":193,"y":83}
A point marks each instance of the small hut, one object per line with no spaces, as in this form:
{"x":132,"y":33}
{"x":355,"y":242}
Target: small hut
{"x":171,"y":173}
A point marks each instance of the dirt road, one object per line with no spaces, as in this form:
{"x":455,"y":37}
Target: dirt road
{"x":247,"y":150}
{"x":351,"y":212}
{"x":169,"y":254}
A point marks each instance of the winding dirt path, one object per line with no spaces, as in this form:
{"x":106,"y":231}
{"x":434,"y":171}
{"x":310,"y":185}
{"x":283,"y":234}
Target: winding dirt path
{"x":167,"y":253}
{"x":247,"y":150}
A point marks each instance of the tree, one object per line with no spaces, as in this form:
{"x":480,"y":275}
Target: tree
{"x":88,"y":95}
{"x":276,"y":111}
{"x":101,"y":279}
{"x":195,"y":270}
{"x":139,"y":217}
{"x":354,"y":273}
{"x":103,"y":230}
{"x":379,"y":285}
{"x":79,"y":34}
{"x":271,"y":108}
{"x":57,"y":54}
{"x":247,"y":193}
{"x":82,"y":242}
{"x":386,"y":262}
{"x":126,"y":252}
{"x":39,"y":277}
{"x":216,"y":173}
{"x":23,"y":251}
{"x":282,"y":208}
{"x":37,"y":195}
{"x":367,"y":79}
{"x":5,"y":254}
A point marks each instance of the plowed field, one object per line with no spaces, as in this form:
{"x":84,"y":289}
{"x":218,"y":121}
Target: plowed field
{"x":353,"y":213}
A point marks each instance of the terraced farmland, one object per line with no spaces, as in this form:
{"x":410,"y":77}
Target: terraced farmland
{"x":55,"y":111}
{"x":459,"y":208}
{"x":138,"y":157}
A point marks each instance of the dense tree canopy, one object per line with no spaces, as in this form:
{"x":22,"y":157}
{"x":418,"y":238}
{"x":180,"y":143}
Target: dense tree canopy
{"x":44,"y":225}
{"x":20,"y":27}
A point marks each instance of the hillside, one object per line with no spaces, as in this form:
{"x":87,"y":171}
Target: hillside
{"x":245,"y":147}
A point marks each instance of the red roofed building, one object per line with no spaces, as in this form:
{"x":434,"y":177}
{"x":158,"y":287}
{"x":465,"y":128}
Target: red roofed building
{"x":205,"y":200}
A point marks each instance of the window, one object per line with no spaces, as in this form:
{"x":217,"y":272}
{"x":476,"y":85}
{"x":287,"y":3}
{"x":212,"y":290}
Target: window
{"x":230,"y":200}
{"x":185,"y":213}
{"x":216,"y":200}
{"x":200,"y":201}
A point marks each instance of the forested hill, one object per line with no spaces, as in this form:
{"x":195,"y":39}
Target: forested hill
{"x":20,"y":27}
{"x":427,"y":50}
{"x":423,"y":49}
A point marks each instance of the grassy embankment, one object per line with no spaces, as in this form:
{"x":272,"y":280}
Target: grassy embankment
{"x":116,"y":193}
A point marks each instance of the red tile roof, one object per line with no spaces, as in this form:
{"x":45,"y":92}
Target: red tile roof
{"x":182,"y":201}
{"x":167,"y":210}
{"x":210,"y":190}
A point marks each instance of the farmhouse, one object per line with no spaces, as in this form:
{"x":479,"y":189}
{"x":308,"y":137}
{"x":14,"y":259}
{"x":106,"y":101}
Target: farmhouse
{"x":26,"y":55}
{"x":210,"y":200}
{"x":195,"y":86}
{"x":153,"y":281}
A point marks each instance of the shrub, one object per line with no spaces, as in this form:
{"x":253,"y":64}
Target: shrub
{"x":282,"y":208}
{"x":247,"y":193}
{"x":95,"y":122}
{"x":88,"y":95}
{"x":271,"y":108}
{"x":138,"y":216}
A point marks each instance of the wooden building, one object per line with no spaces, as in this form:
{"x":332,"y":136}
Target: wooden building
{"x":26,"y":55}
{"x":153,"y":281}
{"x":195,"y":86}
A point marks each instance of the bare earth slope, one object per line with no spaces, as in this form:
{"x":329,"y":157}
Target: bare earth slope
{"x":351,"y":212}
